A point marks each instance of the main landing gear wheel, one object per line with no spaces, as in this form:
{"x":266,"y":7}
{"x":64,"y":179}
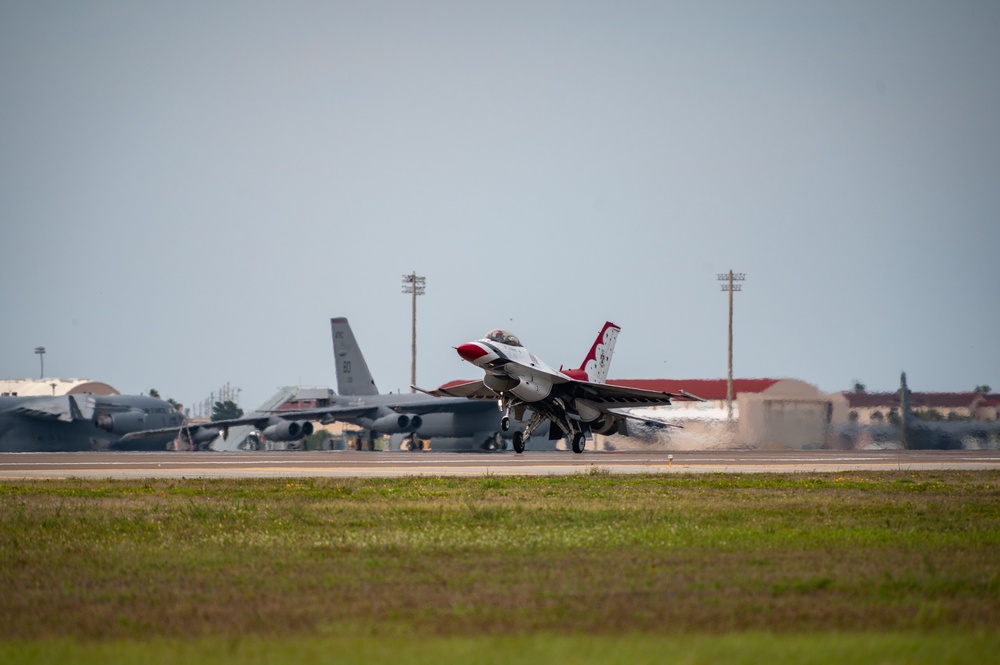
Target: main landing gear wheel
{"x":518,"y":442}
{"x":579,"y":442}
{"x":505,"y":423}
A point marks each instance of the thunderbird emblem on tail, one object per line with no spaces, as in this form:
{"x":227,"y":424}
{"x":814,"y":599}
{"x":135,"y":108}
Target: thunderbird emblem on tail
{"x":576,"y":402}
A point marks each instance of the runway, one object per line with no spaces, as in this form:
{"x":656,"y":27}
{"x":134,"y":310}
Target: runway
{"x":18,"y":466}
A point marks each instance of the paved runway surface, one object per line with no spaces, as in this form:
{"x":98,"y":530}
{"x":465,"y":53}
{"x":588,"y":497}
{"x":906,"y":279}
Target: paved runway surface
{"x":379,"y":464}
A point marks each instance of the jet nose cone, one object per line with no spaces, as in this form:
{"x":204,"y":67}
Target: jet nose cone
{"x":471,"y":351}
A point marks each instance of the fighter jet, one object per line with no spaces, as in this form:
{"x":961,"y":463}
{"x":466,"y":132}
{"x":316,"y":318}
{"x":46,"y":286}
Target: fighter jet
{"x":85,"y":422}
{"x":577,"y":403}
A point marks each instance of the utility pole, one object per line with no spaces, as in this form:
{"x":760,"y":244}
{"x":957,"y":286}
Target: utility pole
{"x":729,"y":278}
{"x":40,"y":350}
{"x":415,"y":285}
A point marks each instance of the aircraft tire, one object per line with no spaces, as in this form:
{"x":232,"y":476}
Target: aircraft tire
{"x":579,"y":442}
{"x":505,"y":423}
{"x":518,"y":441}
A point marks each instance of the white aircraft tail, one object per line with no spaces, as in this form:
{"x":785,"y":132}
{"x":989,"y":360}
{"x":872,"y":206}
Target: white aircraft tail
{"x":598,"y":361}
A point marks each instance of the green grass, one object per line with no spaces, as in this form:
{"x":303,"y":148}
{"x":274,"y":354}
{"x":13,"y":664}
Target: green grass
{"x":889,"y":567}
{"x":635,"y":649}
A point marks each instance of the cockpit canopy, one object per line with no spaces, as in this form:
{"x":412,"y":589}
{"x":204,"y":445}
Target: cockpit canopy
{"x":503,"y":337}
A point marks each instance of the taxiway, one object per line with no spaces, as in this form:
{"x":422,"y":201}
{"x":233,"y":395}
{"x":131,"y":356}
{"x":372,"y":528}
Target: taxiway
{"x":15,"y":466}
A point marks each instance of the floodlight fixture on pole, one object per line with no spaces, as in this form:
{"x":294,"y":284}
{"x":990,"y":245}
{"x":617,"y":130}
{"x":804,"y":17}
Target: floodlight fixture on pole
{"x":729,"y":286}
{"x":40,"y":350}
{"x":417,"y":286}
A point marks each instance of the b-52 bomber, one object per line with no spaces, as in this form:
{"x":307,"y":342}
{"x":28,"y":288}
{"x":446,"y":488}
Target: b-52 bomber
{"x":454,"y":424}
{"x":576,"y":403}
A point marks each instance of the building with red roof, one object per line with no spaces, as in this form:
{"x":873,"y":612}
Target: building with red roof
{"x":872,"y":408}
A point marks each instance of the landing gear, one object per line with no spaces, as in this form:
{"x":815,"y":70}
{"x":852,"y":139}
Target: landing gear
{"x":518,"y":441}
{"x":493,"y":442}
{"x":579,"y":442}
{"x":505,"y":423}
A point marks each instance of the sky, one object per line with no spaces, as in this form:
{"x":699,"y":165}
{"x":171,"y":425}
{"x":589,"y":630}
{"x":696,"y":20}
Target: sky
{"x":189,"y":191}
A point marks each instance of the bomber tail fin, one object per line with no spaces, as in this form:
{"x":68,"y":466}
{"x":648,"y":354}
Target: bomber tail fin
{"x":353,"y":377}
{"x":598,"y":361}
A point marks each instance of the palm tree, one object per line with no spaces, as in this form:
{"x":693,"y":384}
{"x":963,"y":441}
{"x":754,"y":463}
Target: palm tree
{"x":226,"y":410}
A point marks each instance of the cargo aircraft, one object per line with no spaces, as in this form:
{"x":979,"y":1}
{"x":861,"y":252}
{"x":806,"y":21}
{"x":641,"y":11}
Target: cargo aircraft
{"x":84,"y":421}
{"x":576,"y":402}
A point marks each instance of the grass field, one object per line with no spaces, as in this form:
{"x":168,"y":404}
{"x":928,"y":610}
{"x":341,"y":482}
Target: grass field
{"x":815,"y":568}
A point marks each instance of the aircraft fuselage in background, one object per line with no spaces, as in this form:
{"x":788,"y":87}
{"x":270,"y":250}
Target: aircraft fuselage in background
{"x":83,"y":422}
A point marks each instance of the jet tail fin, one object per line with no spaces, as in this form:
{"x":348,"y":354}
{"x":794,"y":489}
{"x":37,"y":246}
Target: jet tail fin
{"x":598,"y":361}
{"x":353,"y":377}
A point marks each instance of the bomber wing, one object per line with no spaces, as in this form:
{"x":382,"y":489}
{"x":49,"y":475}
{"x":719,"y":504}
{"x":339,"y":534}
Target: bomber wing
{"x":330,"y":413}
{"x":217,"y":425}
{"x":259,"y":421}
{"x":443,"y":402}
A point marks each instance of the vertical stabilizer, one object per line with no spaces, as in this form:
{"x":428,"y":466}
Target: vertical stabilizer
{"x":597,"y":362}
{"x":353,"y":377}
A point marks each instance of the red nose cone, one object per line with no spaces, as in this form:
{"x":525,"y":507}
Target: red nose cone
{"x":470,"y":351}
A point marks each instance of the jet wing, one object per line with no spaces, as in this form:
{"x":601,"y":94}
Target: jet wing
{"x":644,"y":419}
{"x":610,"y":396}
{"x":467,"y":389}
{"x":604,"y":394}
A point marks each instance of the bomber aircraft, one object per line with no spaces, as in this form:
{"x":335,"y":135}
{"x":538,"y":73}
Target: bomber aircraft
{"x":576,"y":402}
{"x":455,"y":424}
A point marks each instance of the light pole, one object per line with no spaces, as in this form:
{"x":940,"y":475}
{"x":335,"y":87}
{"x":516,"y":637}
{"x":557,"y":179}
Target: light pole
{"x":729,"y":278}
{"x":416,"y":285}
{"x":40,"y":350}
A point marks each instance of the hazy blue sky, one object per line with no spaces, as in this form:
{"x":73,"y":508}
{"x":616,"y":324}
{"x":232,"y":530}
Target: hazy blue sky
{"x":190,"y":190}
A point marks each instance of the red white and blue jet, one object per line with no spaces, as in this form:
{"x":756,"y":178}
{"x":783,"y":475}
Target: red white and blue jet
{"x":576,"y":402}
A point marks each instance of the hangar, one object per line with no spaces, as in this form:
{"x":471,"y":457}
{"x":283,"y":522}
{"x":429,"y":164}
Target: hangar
{"x":45,"y":387}
{"x":767,"y":413}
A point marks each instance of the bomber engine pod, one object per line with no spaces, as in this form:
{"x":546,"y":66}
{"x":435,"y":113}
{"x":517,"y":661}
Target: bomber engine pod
{"x":288,"y":430}
{"x":396,"y":423}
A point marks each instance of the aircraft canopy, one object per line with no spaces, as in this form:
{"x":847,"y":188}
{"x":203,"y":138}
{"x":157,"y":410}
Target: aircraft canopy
{"x":503,"y":337}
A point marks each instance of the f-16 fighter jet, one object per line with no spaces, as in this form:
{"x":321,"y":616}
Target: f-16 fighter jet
{"x":576,"y":402}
